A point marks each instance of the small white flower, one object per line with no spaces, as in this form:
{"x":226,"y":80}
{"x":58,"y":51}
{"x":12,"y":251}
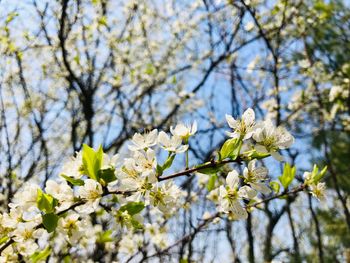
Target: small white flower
{"x":184,"y":131}
{"x":110,"y":162}
{"x":271,"y":139}
{"x":91,"y":192}
{"x":335,"y":92}
{"x":206,"y":215}
{"x":231,"y":194}
{"x":173,"y":144}
{"x":214,"y":195}
{"x":130,"y":243}
{"x":25,"y":235}
{"x":166,"y":197}
{"x":318,"y":190}
{"x":141,"y":142}
{"x":73,"y":167}
{"x":62,"y":192}
{"x":146,"y":164}
{"x":8,"y":255}
{"x":25,"y":197}
{"x":243,"y":128}
{"x":307,"y":177}
{"x":249,"y":26}
{"x":71,"y":227}
{"x":254,"y":175}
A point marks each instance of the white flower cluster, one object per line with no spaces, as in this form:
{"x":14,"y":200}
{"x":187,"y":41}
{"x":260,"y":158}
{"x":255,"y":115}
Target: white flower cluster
{"x":99,"y":199}
{"x":236,"y":188}
{"x":268,"y":138}
{"x":61,"y":212}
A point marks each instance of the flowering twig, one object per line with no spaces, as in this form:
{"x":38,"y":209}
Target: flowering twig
{"x":211,"y":164}
{"x":218,"y":214}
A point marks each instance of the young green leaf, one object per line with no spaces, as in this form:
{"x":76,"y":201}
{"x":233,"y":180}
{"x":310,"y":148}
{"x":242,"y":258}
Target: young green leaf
{"x":105,"y":237}
{"x":318,"y":176}
{"x":230,"y":149}
{"x":275,"y":186}
{"x":40,"y":256}
{"x":168,"y":162}
{"x":136,"y":224}
{"x":3,"y":239}
{"x":46,"y":202}
{"x":50,"y":222}
{"x":211,"y":182}
{"x":133,"y":208}
{"x":107,"y":174}
{"x":92,"y":161}
{"x":73,"y":181}
{"x":288,"y":175}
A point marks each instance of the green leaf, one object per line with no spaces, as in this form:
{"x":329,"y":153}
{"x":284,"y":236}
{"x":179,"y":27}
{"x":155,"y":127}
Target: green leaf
{"x":275,"y":186}
{"x":107,"y":174}
{"x":46,"y":202}
{"x":102,"y":21}
{"x":40,"y":256}
{"x":133,"y":208}
{"x":257,"y":155}
{"x":3,"y":240}
{"x":230,"y":149}
{"x":150,"y":69}
{"x":67,"y":259}
{"x":320,"y":175}
{"x":283,"y":197}
{"x":202,"y":168}
{"x":136,"y":224}
{"x":173,"y":80}
{"x":159,"y":170}
{"x":288,"y":175}
{"x":50,"y":222}
{"x":72,"y":180}
{"x":105,"y":237}
{"x":92,"y":161}
{"x":167,"y":164}
{"x":211,"y":182}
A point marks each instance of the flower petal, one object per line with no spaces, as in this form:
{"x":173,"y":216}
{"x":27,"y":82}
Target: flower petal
{"x":231,"y":121}
{"x":248,"y":117}
{"x":232,"y":179}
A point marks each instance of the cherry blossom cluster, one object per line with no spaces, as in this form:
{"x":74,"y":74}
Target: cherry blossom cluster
{"x":95,"y":190}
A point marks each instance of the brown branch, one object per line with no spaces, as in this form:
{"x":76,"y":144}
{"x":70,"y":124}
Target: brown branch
{"x":211,"y":164}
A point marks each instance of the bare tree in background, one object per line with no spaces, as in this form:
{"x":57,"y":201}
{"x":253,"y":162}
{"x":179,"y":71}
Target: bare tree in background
{"x":97,"y":71}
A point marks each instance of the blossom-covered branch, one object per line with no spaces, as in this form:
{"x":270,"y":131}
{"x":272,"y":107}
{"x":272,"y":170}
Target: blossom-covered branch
{"x":118,"y":190}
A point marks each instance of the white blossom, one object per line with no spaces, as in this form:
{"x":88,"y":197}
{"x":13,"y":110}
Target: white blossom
{"x":318,"y":190}
{"x":8,"y":256}
{"x":62,"y":192}
{"x":230,"y":194}
{"x":25,"y":235}
{"x":254,"y":175}
{"x":141,"y":142}
{"x":71,"y":227}
{"x":184,"y":131}
{"x":90,"y":192}
{"x":73,"y":167}
{"x":25,"y":197}
{"x":146,"y":164}
{"x":271,"y":139}
{"x":243,"y":128}
{"x":171,"y":144}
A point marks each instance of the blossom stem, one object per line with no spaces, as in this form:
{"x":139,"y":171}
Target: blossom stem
{"x":211,"y":164}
